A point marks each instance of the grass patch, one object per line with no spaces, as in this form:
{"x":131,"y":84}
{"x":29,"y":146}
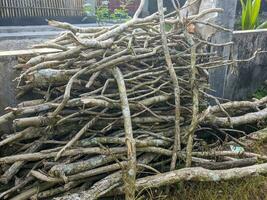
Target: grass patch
{"x":254,"y":188}
{"x":260,"y":93}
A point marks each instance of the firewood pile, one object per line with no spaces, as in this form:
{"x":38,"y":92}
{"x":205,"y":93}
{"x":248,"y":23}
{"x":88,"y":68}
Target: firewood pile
{"x":120,"y":109}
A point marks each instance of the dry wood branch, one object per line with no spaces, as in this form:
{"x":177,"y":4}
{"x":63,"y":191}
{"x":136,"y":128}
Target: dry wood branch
{"x":130,"y":173}
{"x":112,"y":103}
{"x":79,"y":134}
{"x":199,"y":174}
{"x":177,"y":138}
{"x":195,"y":108}
{"x":248,"y":118}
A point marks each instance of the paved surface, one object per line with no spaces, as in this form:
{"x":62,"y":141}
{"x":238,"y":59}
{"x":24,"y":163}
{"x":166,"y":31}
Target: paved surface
{"x":12,"y":29}
{"x":28,"y":35}
{"x":31,"y":32}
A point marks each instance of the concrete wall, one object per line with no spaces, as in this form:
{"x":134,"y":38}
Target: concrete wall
{"x":225,"y":19}
{"x":7,"y":74}
{"x":250,"y":75}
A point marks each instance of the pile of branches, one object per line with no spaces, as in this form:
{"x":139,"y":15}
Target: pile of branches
{"x":119,"y":109}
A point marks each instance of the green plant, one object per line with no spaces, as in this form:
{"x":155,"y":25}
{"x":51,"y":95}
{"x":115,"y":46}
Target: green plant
{"x":245,"y":189}
{"x":263,"y":25}
{"x":120,"y":13}
{"x":250,"y":14}
{"x":88,"y":11}
{"x":260,"y":93}
{"x":102,"y":14}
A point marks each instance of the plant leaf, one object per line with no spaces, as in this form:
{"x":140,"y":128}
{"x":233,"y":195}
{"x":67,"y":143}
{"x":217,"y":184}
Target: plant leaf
{"x":256,"y":5}
{"x":243,"y":14}
{"x":263,"y":25}
{"x":247,"y":18}
{"x":242,"y":3}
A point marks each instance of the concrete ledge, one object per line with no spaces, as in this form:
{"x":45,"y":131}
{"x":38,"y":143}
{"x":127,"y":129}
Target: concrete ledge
{"x":250,"y":31}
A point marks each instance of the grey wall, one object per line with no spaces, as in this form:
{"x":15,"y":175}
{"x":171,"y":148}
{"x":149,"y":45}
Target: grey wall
{"x":7,"y":74}
{"x":250,"y":75}
{"x":227,"y":20}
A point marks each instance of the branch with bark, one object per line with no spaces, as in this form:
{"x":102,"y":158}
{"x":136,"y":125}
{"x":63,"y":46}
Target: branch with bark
{"x":113,"y":106}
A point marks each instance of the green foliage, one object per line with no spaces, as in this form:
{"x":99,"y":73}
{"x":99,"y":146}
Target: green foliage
{"x":103,"y":14}
{"x":88,"y":11}
{"x":260,"y":93}
{"x":120,"y":14}
{"x":244,"y":189}
{"x":250,"y":14}
{"x":262,"y":26}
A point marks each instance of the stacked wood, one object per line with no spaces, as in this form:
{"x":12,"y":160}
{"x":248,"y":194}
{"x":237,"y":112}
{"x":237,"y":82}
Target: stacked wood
{"x":118,"y":104}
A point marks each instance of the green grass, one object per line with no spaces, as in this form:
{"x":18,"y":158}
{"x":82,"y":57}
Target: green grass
{"x":260,"y":93}
{"x":246,"y":189}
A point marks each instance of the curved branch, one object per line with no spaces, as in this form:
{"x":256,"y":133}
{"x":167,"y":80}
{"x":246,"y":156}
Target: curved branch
{"x":177,"y":139}
{"x":129,"y":139}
